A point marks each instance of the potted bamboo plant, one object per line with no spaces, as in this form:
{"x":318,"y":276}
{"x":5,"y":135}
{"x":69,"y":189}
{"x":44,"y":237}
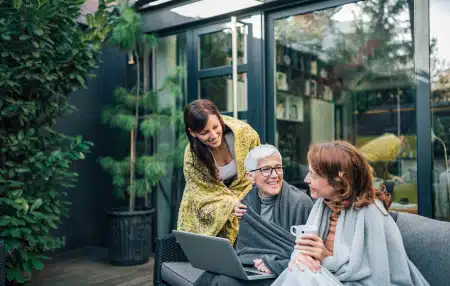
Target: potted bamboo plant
{"x":137,"y":111}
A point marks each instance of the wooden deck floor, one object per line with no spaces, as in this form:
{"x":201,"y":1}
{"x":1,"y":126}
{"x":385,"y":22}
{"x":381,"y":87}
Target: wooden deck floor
{"x":88,"y":266}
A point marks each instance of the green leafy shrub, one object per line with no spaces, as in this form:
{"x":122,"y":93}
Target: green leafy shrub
{"x":45,"y":56}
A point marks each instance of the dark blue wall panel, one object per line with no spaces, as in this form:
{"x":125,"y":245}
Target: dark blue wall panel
{"x":93,"y":193}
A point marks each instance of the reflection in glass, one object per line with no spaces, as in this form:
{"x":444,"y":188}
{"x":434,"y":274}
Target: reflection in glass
{"x":220,"y":91}
{"x":352,"y":68}
{"x":440,"y":100}
{"x":216,"y":48}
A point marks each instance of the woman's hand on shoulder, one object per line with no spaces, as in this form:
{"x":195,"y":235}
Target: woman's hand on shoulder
{"x":240,"y":209}
{"x":313,"y":246}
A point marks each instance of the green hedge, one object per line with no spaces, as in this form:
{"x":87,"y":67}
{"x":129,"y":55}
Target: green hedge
{"x":45,"y":55}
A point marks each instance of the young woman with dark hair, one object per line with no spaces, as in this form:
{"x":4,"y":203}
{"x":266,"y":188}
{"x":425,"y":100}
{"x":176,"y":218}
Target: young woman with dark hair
{"x":214,"y":170}
{"x":358,"y":243}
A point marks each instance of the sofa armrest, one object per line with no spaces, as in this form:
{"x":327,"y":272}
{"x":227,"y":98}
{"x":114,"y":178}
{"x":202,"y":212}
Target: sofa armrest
{"x":2,"y":263}
{"x":427,"y":244}
{"x":167,"y":250}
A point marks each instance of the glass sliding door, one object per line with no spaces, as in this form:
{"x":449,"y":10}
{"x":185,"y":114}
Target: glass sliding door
{"x":347,"y":72}
{"x":440,"y":103}
{"x":215,"y":48}
{"x":220,"y":90}
{"x":212,"y":68}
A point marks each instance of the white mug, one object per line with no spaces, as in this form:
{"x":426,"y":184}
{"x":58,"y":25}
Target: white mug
{"x":299,"y":230}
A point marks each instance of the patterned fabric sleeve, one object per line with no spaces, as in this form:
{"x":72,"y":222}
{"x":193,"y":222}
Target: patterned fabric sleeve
{"x":206,"y":203}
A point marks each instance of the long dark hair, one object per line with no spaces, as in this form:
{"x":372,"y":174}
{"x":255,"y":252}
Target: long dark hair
{"x":195,"y":118}
{"x":349,"y":172}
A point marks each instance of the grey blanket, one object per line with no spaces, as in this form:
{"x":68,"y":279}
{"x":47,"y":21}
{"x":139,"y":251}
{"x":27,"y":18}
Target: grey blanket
{"x":270,"y":241}
{"x":368,"y":250}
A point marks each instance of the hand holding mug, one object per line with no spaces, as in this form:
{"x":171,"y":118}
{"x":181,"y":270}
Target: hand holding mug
{"x":299,"y":230}
{"x":312,"y":245}
{"x":302,"y":261}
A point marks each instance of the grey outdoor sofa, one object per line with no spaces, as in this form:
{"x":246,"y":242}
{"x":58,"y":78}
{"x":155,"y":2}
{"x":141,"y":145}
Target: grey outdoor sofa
{"x":427,"y":243}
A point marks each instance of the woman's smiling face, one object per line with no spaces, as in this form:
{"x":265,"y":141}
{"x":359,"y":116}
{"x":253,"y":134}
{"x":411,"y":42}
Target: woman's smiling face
{"x":269,"y":175}
{"x":319,"y":186}
{"x":211,"y":135}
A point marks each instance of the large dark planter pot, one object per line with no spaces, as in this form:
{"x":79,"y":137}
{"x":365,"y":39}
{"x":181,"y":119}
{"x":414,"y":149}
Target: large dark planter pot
{"x":130,"y":236}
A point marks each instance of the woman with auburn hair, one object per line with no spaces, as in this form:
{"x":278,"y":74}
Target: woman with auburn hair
{"x":358,"y":243}
{"x":214,"y":170}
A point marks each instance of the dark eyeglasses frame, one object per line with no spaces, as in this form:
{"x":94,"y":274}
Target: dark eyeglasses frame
{"x":271,"y":171}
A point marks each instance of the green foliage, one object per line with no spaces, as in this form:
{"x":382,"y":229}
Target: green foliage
{"x":127,"y":30}
{"x":138,"y":110}
{"x":149,"y":169}
{"x":45,"y":56}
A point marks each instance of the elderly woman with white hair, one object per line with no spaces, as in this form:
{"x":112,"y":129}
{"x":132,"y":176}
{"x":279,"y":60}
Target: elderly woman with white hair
{"x":272,"y":207}
{"x":267,"y":213}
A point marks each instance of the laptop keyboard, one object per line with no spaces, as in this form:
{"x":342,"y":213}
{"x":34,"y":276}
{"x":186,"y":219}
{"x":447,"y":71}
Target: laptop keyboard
{"x":251,"y":273}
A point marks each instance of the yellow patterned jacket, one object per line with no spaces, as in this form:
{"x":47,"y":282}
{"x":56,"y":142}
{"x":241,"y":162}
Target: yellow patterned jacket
{"x":207,"y":205}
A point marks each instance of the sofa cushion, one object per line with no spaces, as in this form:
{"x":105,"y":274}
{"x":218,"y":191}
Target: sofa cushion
{"x":180,"y":273}
{"x":427,"y":243}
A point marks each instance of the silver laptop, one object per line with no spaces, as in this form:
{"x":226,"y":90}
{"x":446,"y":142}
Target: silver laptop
{"x":215,"y":254}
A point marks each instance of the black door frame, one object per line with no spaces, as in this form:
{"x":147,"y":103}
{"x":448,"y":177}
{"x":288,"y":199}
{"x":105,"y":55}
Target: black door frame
{"x":422,"y":75}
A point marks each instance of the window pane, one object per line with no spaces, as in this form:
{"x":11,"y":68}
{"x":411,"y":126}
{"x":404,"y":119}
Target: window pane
{"x":348,"y":73}
{"x":220,"y":91}
{"x":440,"y":99}
{"x":216,"y":48}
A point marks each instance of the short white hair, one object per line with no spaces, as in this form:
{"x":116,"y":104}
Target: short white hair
{"x":259,"y":153}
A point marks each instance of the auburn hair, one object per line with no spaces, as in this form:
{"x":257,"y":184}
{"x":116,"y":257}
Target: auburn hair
{"x":348,"y":172}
